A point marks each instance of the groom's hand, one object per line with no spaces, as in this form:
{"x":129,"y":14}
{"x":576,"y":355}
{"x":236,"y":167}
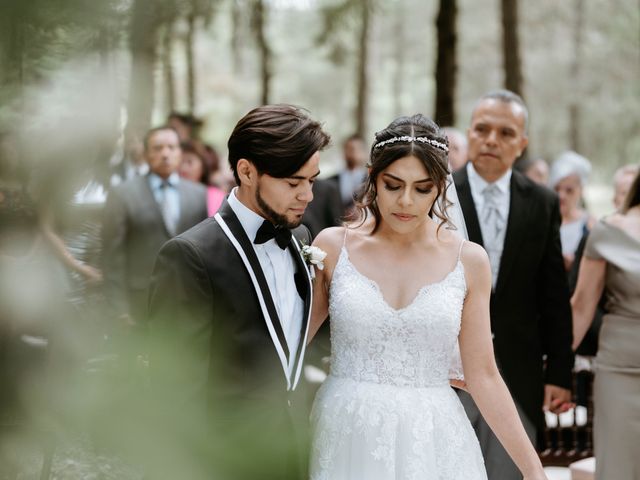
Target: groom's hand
{"x":557,"y":399}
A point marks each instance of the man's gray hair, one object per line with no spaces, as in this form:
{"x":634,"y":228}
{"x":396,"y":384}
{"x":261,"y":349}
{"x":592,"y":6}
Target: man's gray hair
{"x":506,"y":96}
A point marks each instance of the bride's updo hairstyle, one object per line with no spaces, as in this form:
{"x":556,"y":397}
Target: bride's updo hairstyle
{"x":416,"y":136}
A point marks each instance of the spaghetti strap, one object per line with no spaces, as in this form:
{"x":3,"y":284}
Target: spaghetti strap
{"x":344,"y":239}
{"x":460,"y":249}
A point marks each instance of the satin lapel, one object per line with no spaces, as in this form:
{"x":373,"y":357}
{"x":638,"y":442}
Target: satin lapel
{"x":295,"y":248}
{"x":463,"y":188}
{"x":233,"y":230}
{"x":516,"y":227}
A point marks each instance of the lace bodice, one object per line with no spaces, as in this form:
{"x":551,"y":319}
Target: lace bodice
{"x":373,"y":342}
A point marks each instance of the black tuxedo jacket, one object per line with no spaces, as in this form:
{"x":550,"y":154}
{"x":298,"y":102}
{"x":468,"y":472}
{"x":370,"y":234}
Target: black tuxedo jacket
{"x":218,"y":351}
{"x":530,"y":310}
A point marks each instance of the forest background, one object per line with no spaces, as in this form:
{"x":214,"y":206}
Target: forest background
{"x":77,"y":74}
{"x":80,"y":77}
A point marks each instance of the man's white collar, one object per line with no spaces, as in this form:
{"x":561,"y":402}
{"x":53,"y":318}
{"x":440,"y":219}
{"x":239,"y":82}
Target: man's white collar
{"x":249,"y":219}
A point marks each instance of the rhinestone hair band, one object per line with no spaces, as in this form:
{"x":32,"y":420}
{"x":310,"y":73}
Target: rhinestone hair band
{"x":407,"y":138}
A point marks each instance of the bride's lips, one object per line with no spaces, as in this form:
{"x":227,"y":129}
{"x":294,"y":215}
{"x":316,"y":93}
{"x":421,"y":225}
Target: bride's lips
{"x":403,"y":217}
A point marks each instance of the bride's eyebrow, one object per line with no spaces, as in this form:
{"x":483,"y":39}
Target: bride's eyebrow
{"x":397,"y":179}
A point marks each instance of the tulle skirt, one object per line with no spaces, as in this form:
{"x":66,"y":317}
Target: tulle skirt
{"x":382,"y":432}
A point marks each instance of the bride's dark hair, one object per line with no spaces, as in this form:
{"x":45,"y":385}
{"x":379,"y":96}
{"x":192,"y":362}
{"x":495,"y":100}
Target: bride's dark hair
{"x":434,"y":159}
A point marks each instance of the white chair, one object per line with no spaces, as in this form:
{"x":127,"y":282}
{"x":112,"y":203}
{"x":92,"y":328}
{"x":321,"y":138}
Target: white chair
{"x":557,"y":473}
{"x":583,"y":469}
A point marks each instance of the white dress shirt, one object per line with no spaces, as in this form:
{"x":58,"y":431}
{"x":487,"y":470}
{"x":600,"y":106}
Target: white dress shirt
{"x":279,"y":268}
{"x":503,"y":184}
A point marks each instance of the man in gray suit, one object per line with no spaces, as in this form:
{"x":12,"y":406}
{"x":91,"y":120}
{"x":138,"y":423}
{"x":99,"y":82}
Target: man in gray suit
{"x":141,"y":214}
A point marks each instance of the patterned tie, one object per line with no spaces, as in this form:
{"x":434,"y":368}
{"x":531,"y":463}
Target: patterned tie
{"x":493,"y":228}
{"x":168,"y":211}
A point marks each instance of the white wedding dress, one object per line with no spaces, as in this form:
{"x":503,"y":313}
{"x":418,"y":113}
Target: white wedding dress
{"x":386,"y":410}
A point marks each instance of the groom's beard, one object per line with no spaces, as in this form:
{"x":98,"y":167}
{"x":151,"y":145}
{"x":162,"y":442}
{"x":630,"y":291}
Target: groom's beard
{"x":274,"y":217}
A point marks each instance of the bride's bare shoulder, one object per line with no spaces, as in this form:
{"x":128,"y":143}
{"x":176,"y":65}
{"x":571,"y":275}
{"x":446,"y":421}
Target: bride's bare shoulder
{"x":334,"y":237}
{"x":475,"y":261}
{"x":473,"y":253}
{"x":330,"y":240}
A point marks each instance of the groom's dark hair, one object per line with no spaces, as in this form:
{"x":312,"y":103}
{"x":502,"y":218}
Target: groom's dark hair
{"x":277,"y":139}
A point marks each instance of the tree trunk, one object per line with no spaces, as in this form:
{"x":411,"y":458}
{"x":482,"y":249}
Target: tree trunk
{"x":167,"y":65}
{"x":236,"y":37}
{"x":576,"y":64}
{"x":511,"y":47}
{"x":142,"y":43}
{"x":400,"y":57}
{"x":446,"y":67}
{"x":259,"y":26}
{"x":362,"y":85}
{"x":191,"y":74}
{"x":109,"y":102}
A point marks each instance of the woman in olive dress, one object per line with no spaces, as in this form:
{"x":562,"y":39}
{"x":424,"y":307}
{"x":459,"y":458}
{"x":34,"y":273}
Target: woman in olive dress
{"x":611,"y":264}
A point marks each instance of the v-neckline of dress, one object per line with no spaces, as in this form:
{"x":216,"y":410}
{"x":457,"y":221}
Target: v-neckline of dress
{"x":376,"y":286}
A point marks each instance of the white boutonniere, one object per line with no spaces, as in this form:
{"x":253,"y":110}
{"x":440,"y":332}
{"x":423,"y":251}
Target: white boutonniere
{"x":313,"y":257}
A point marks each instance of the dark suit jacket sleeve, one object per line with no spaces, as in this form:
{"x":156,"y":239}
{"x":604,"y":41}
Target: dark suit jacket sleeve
{"x":114,"y":257}
{"x":180,"y":323}
{"x":555,"y":310}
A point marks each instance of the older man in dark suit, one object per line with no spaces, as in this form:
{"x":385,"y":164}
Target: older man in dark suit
{"x":518,"y":224}
{"x":140,"y":215}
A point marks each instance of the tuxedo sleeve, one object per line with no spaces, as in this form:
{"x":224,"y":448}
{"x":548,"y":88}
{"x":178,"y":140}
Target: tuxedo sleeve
{"x":114,"y":257}
{"x":555,"y":309}
{"x":180,"y":323}
{"x":177,"y":432}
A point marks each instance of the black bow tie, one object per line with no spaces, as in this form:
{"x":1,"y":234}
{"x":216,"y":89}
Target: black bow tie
{"x":267,"y":231}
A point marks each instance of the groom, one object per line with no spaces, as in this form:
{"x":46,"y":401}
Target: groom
{"x":230,"y":302}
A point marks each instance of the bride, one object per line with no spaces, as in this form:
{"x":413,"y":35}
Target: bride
{"x":403,"y":292}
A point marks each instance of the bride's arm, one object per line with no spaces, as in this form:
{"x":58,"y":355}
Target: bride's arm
{"x":484,"y":382}
{"x":328,"y":240}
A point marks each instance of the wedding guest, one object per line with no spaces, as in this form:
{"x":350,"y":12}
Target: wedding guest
{"x":611,"y":264}
{"x":458,"y":153}
{"x":140,"y":215}
{"x":350,"y":179}
{"x":518,"y":223}
{"x":568,"y":177}
{"x":537,"y":170}
{"x":403,"y":292}
{"x":131,"y":162}
{"x":194,"y":167}
{"x":186,"y":125}
{"x":622,"y":180}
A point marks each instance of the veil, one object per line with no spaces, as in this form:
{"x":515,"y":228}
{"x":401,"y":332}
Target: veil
{"x":456,"y":219}
{"x":454,"y":211}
